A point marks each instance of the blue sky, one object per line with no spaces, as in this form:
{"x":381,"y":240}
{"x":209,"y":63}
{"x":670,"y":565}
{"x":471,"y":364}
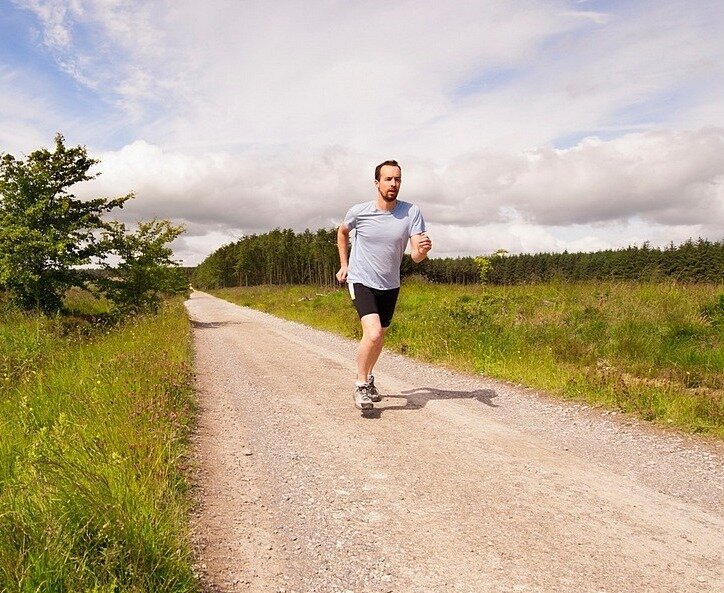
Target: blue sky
{"x":536,"y":125}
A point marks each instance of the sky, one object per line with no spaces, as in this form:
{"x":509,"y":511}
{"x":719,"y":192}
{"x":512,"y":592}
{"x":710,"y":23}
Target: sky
{"x":525,"y":125}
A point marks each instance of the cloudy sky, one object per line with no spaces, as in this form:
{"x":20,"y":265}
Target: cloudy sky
{"x":528,"y":125}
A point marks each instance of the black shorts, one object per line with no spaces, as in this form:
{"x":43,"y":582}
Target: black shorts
{"x":371,"y":300}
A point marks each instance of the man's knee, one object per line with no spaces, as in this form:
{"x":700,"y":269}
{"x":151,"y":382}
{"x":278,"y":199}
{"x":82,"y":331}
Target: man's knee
{"x":371,"y":329}
{"x":374,"y":334}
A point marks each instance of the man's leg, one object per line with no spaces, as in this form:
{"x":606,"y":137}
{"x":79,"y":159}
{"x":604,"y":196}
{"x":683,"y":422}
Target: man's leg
{"x":370,"y":346}
{"x":375,"y":309}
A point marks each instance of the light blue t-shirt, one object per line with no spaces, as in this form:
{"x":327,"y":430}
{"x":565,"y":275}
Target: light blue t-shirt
{"x":379,"y":242}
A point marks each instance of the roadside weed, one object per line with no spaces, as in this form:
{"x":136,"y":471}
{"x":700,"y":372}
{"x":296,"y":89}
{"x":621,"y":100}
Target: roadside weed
{"x":92,"y":437}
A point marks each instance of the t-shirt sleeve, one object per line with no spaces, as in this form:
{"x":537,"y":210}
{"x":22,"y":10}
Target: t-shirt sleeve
{"x":417,"y":222}
{"x":350,"y":219}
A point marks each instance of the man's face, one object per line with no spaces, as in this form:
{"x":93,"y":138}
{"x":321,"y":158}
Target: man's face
{"x":389,"y":184}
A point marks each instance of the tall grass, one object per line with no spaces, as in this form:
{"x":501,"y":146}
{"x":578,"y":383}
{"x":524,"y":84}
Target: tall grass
{"x":93,"y":427}
{"x":654,"y":350}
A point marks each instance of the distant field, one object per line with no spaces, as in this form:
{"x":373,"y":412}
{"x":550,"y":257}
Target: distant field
{"x":93,"y":426}
{"x":654,"y":350}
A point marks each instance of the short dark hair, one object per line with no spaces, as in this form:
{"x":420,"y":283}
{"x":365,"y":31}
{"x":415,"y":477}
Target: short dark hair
{"x":386,"y":163}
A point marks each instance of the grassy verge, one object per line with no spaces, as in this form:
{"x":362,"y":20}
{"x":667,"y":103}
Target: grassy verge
{"x":653,"y":350}
{"x":93,"y":427}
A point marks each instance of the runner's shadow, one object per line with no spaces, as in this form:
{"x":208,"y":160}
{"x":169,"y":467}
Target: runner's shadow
{"x":417,"y":398}
{"x":213,"y":324}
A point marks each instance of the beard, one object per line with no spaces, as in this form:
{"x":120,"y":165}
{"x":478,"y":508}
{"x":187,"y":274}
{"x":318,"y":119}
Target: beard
{"x":390,"y":196}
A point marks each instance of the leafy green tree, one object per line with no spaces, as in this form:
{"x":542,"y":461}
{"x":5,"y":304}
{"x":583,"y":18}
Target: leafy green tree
{"x":48,"y":236}
{"x":45,"y":231}
{"x":483,"y":264}
{"x":146,"y":271}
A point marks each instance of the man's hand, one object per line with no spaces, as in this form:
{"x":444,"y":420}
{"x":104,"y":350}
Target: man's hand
{"x":341,"y":275}
{"x":424,"y":244}
{"x":421,"y":245}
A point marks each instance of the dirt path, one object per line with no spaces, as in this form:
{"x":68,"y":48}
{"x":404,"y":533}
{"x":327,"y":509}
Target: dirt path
{"x":455,"y":484}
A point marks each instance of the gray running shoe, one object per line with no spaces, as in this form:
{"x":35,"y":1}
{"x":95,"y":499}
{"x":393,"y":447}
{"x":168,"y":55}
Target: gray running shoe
{"x":362,"y":398}
{"x":372,"y":390}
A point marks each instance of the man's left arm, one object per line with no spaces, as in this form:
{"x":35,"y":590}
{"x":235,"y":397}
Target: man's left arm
{"x":420,"y":245}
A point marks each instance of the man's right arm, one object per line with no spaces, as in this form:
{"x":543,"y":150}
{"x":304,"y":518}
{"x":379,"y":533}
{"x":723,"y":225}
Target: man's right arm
{"x":342,"y":247}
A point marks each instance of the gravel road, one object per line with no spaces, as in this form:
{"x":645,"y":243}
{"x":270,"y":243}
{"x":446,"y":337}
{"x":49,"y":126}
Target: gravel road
{"x":455,"y":482}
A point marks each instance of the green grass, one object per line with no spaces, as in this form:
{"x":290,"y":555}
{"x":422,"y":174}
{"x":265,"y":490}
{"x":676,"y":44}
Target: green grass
{"x":653,"y":350}
{"x":93,"y":426}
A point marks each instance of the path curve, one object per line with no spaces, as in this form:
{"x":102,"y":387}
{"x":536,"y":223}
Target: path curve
{"x":456,"y":483}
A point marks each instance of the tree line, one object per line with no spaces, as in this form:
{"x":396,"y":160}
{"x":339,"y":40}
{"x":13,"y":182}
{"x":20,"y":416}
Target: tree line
{"x":285,"y":257}
{"x":278,"y":257}
{"x":698,"y":260}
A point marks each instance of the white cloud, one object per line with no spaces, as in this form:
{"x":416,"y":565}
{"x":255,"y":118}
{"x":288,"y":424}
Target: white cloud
{"x":515,"y":122}
{"x":664,"y":177}
{"x":600,"y":18}
{"x":254,"y":192}
{"x":426,"y":81}
{"x":522,"y":202}
{"x":54,"y":16}
{"x":289,"y":72}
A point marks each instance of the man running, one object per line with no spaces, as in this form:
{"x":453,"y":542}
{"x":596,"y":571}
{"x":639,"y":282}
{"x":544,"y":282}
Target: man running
{"x":382,"y":228}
